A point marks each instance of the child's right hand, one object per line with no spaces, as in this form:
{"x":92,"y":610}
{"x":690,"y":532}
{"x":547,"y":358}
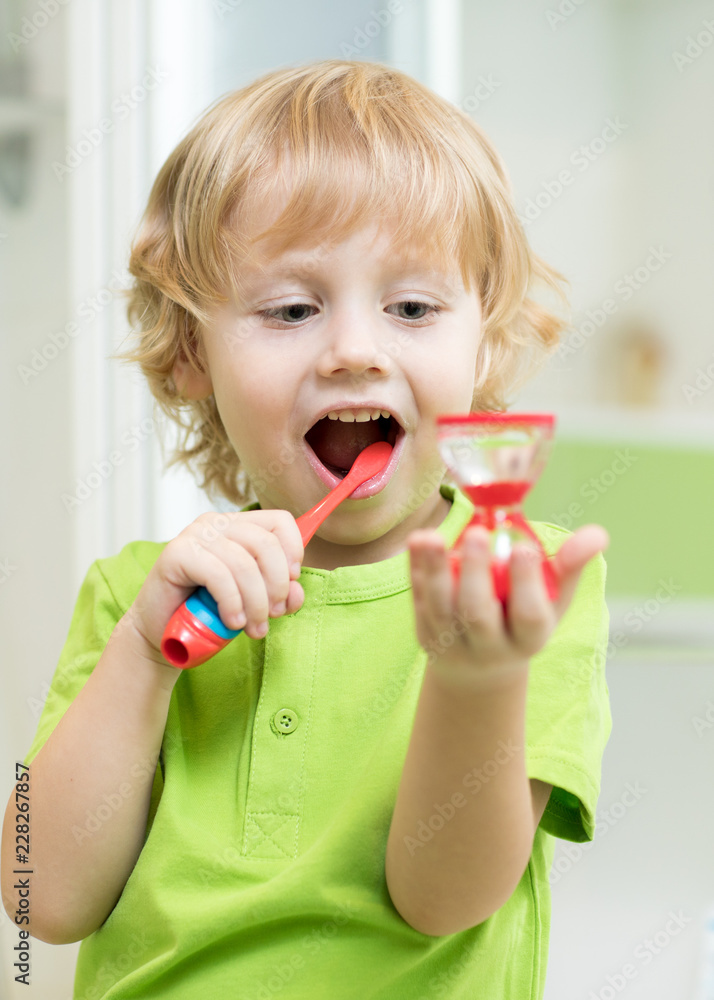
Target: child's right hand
{"x":248,"y":561}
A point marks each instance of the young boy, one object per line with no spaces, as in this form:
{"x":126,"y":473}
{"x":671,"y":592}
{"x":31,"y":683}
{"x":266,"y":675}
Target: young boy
{"x":360,"y":799}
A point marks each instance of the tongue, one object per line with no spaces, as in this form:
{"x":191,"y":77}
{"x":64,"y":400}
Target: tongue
{"x":338,"y":443}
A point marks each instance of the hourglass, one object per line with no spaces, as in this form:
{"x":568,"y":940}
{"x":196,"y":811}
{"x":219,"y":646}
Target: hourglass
{"x":495,"y":458}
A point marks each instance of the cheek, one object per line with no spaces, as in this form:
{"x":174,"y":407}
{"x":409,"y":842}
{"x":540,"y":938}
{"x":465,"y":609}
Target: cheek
{"x":449,"y":381}
{"x":241,"y":407}
{"x":254,"y":406}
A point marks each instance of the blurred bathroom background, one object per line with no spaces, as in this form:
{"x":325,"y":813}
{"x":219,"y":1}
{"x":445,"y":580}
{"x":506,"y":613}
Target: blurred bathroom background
{"x":603,"y":113}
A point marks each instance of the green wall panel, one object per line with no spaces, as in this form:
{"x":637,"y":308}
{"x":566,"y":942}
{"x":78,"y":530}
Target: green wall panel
{"x":656,"y":502}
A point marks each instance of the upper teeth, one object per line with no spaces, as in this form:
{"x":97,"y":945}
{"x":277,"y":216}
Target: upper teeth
{"x":350,"y":416}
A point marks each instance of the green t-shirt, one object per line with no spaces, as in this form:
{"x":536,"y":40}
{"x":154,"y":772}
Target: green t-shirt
{"x":263,"y":863}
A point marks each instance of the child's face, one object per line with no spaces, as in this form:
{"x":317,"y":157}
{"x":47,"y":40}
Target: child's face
{"x":357,"y":329}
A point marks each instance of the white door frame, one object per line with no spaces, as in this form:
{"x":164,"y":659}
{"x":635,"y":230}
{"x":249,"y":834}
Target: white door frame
{"x":136,"y":82}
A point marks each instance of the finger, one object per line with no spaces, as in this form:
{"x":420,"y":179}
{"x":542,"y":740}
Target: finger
{"x":476,"y":601}
{"x":530,"y":615}
{"x":283,"y":525}
{"x":416,"y":568}
{"x":269,"y":556}
{"x":417,"y":562}
{"x":296,"y":598}
{"x":572,"y":557}
{"x":212,"y":571}
{"x":251,"y":586}
{"x":285,"y":528}
{"x":173,"y":577}
{"x":433,"y":577}
{"x":259,"y":567}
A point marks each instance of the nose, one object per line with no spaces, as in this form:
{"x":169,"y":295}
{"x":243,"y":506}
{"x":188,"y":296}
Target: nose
{"x":353,"y":347}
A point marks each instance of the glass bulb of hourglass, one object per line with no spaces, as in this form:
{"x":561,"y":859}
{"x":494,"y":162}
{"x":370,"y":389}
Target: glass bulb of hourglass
{"x":495,"y":458}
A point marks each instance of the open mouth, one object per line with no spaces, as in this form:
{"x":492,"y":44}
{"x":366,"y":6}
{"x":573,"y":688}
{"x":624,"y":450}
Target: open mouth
{"x":336,"y":444}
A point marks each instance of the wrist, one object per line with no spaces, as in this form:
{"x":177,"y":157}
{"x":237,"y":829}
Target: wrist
{"x":142,"y":655}
{"x":465,"y":673}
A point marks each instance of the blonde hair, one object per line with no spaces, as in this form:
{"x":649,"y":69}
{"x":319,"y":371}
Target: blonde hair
{"x":402,"y":151}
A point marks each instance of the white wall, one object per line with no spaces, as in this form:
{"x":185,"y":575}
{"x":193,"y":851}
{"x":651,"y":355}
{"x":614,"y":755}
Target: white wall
{"x":256,"y":37}
{"x":652,"y":853}
{"x":35,"y":413}
{"x":558,"y":83}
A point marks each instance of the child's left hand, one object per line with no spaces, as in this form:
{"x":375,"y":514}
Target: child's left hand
{"x":463,"y":627}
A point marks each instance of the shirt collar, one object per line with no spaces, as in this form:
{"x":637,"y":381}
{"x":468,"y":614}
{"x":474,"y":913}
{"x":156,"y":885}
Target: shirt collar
{"x":388,"y":576}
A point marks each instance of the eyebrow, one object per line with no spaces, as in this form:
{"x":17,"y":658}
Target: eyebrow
{"x":406,"y":268}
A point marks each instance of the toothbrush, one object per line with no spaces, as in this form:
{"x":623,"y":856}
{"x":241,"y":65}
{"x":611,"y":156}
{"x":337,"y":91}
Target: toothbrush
{"x":195,"y":631}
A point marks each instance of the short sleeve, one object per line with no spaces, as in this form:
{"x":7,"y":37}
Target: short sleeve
{"x":99,"y":606}
{"x":568,"y":719}
{"x":93,"y":619}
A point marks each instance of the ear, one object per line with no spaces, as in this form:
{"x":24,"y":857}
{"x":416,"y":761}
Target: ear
{"x":190,"y":383}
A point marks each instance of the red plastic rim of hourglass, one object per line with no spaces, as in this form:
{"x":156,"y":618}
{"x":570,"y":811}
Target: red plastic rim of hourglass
{"x":497,"y":493}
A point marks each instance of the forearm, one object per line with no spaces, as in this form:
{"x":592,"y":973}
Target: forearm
{"x":481,"y":825}
{"x":104,"y":749}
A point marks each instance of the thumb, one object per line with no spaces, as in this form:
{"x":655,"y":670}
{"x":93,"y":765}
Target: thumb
{"x":571,"y":559}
